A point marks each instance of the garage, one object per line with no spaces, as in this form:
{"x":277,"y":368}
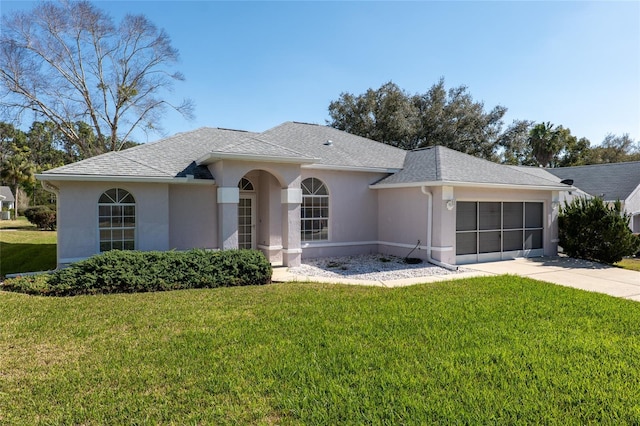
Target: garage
{"x":496,"y":230}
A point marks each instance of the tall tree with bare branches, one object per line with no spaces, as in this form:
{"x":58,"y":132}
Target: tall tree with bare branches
{"x":69,"y":62}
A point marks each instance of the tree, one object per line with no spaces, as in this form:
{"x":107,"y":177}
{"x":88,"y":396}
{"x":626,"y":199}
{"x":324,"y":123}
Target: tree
{"x":616,"y":149}
{"x":438,"y":117}
{"x":590,"y":229}
{"x":68,"y":62}
{"x":544,"y":142}
{"x":9,"y":136}
{"x":556,"y":147}
{"x":453,"y":119}
{"x":386,"y":115}
{"x":17,"y":170}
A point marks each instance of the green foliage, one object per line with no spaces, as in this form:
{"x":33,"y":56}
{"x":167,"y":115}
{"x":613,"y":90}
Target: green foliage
{"x":136,"y":271}
{"x":486,"y":351}
{"x":590,"y":229}
{"x":44,"y":217}
{"x":36,"y":285}
{"x":451,"y":118}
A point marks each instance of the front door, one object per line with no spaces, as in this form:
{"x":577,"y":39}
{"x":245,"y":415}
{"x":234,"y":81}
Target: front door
{"x":247,"y":222}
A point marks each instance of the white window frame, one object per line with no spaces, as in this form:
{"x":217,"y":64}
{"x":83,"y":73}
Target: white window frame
{"x":309,"y":194}
{"x":120,"y":227}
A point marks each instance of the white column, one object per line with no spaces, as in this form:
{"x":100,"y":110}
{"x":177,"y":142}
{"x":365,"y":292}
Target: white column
{"x":291,"y":198}
{"x":228,"y":199}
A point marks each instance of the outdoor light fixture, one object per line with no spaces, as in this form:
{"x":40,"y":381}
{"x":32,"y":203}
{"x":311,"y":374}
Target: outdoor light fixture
{"x":451,"y":204}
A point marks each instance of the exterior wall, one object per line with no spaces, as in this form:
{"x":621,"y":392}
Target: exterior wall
{"x":632,"y":206}
{"x":193,"y":217}
{"x":402,"y":223}
{"x":353,"y":214}
{"x":78,"y":236}
{"x":403,"y":218}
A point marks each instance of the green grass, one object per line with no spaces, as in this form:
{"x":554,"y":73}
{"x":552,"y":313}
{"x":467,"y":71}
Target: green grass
{"x":631,"y":264}
{"x":23,"y":248}
{"x":499,"y":350}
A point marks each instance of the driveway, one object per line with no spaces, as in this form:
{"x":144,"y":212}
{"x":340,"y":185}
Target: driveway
{"x":564,"y":271}
{"x":570,"y":272}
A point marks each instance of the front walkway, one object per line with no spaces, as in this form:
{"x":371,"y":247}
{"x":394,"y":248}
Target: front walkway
{"x":564,"y":271}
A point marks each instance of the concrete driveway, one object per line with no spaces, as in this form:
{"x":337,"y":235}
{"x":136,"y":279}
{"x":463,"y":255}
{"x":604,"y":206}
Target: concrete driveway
{"x":564,"y":271}
{"x":570,"y":272}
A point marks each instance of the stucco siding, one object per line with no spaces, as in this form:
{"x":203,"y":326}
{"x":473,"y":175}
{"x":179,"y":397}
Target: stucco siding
{"x":193,"y":217}
{"x":78,"y":235}
{"x":353,"y":213}
{"x":402,"y":221}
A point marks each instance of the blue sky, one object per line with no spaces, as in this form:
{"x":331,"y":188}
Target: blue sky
{"x":254,"y":65}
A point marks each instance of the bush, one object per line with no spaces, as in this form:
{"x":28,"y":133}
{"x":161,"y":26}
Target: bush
{"x":28,"y":284}
{"x":590,"y":229}
{"x":41,"y":216}
{"x":135,"y":271}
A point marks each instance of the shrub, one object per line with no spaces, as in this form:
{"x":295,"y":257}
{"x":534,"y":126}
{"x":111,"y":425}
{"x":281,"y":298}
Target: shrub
{"x":590,"y":229}
{"x":41,"y":216}
{"x":28,"y":284}
{"x":135,"y":271}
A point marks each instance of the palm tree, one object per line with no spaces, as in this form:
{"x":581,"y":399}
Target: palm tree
{"x":545,"y":143}
{"x":17,"y":170}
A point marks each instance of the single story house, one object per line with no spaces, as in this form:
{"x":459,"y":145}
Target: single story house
{"x":611,"y":182}
{"x":7,"y":201}
{"x":301,"y":191}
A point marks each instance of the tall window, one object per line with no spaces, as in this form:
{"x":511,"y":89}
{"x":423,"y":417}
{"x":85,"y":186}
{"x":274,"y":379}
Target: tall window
{"x":117,"y":220}
{"x":314,"y":223}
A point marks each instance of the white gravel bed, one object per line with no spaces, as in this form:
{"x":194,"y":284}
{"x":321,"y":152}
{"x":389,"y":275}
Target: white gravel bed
{"x":374,"y":267}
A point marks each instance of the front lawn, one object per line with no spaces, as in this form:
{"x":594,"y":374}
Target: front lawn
{"x":23,"y":248}
{"x":630,"y":263}
{"x":498,"y":350}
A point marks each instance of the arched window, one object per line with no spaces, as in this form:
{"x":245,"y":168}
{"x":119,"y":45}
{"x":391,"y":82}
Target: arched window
{"x":245,"y":185}
{"x":314,"y":212}
{"x":117,"y":220}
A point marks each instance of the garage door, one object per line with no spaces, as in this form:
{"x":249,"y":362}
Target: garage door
{"x":487,"y":231}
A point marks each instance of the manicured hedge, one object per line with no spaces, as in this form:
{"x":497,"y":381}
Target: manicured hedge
{"x":136,"y":271}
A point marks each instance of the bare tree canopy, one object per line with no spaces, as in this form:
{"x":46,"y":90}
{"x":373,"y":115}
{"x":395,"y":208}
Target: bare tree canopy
{"x":68,"y":62}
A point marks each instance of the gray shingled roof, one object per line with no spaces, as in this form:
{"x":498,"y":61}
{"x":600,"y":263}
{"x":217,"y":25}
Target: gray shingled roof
{"x":345,"y":150}
{"x":615,"y":181}
{"x":175,"y":156}
{"x":440,"y":164}
{"x":167,"y":158}
{"x":5,"y":191}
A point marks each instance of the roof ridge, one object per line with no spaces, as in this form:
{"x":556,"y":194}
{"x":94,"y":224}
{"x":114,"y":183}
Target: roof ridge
{"x":592,"y":165}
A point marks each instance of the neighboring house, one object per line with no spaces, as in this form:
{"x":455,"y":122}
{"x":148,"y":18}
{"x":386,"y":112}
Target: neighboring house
{"x":300,"y":191}
{"x":611,"y":182}
{"x":7,"y":201}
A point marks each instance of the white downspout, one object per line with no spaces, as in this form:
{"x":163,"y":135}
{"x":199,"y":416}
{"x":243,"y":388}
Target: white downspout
{"x":430,"y":232}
